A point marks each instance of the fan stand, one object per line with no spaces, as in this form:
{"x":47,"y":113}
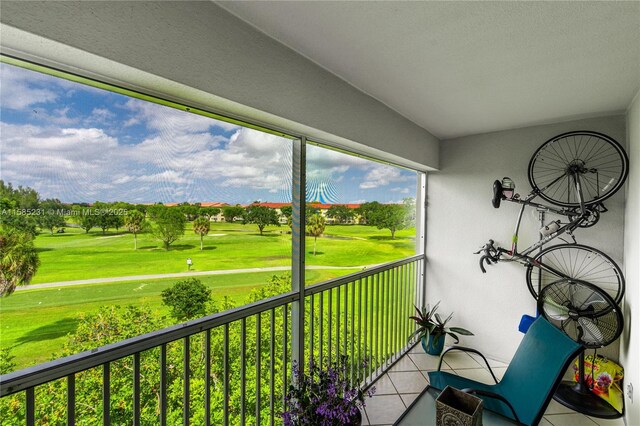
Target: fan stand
{"x":579,"y":397}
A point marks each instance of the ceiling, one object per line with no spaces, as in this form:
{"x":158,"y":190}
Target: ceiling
{"x":461,"y":68}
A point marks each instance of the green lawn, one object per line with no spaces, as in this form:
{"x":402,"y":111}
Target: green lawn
{"x":35,"y":322}
{"x":75,"y":255}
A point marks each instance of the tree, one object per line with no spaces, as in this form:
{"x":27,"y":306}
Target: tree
{"x":366,"y":211}
{"x":201,"y":227}
{"x":315,"y":228}
{"x":170,"y":225}
{"x":18,"y":259}
{"x":391,"y":217}
{"x":209,"y":212}
{"x":135,"y":223}
{"x":286,"y":211}
{"x":230,"y":213}
{"x":191,"y":211}
{"x":84,"y":218}
{"x":261,"y":216}
{"x":340,"y":213}
{"x":187,"y":299}
{"x":51,"y":216}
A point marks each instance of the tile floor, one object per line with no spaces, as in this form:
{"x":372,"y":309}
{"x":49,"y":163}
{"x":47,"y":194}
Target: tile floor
{"x":397,"y":389}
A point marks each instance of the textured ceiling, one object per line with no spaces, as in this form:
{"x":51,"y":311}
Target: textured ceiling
{"x":460,"y":68}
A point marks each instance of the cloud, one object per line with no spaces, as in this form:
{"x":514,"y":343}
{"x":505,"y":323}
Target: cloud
{"x":382,"y":175}
{"x":168,"y":176}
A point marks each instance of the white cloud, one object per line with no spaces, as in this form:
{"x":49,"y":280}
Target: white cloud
{"x":382,"y":175}
{"x":168,"y":176}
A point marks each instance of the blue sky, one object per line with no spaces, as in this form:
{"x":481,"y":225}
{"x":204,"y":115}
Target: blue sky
{"x":81,"y":144}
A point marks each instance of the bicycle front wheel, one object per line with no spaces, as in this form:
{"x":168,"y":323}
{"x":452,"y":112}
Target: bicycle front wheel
{"x":575,"y":261}
{"x":597,"y":160}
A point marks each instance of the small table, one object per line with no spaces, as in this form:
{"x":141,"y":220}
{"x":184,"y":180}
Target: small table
{"x":422,"y":412}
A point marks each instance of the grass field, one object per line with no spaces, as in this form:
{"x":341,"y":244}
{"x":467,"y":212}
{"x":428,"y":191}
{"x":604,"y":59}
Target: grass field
{"x":35,"y":322}
{"x":75,"y":255}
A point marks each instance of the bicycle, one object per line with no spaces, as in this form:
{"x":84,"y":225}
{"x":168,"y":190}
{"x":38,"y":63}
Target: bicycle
{"x":576,"y":171}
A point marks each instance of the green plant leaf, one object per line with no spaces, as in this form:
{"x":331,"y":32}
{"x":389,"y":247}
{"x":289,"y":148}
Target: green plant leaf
{"x":462,"y":331}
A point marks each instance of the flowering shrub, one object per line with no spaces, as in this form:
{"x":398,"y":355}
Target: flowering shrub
{"x":323,"y":396}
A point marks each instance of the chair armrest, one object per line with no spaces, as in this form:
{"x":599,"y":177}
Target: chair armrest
{"x":493,"y":395}
{"x":465,"y":349}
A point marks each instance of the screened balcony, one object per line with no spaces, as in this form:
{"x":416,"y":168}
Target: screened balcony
{"x":233,"y":367}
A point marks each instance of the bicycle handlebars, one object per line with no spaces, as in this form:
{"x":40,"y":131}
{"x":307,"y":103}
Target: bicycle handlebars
{"x":491,"y":255}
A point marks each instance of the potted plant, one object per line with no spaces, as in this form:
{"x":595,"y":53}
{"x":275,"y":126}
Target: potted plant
{"x":324,"y":396}
{"x":432,"y":329}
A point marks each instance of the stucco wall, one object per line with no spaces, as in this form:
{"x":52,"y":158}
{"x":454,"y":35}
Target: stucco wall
{"x":201,"y":46}
{"x":461,"y":219}
{"x":630,"y":342}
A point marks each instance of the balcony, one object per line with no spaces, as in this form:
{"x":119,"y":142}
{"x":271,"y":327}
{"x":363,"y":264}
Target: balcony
{"x":232,"y":367}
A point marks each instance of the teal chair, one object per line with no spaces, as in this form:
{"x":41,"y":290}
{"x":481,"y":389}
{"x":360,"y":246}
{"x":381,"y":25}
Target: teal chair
{"x":531,"y":379}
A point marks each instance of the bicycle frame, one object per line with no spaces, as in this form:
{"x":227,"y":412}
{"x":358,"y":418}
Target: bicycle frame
{"x":569,"y":227}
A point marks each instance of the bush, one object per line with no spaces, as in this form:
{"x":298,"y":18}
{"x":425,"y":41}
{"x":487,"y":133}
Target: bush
{"x":187,"y":299}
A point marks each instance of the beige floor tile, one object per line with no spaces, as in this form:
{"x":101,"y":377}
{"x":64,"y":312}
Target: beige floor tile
{"x":557,"y":408}
{"x":460,"y":360}
{"x":608,"y":422}
{"x":404,"y":364}
{"x":408,"y":381}
{"x":575,"y":419}
{"x":384,"y":409}
{"x":408,"y":398}
{"x":544,"y":422}
{"x":478,"y":374}
{"x":499,"y":372}
{"x":426,"y":362}
{"x":492,"y":362}
{"x":365,"y":419}
{"x":384,"y":386}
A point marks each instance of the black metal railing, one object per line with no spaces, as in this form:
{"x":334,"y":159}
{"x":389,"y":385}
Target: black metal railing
{"x":231,"y":367}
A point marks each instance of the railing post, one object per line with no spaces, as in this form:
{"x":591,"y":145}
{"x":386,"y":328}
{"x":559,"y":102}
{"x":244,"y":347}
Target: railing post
{"x":298,"y":200}
{"x":421,"y":238}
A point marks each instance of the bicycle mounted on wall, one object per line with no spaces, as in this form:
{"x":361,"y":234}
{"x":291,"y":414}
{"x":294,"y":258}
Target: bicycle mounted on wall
{"x":576,"y":171}
{"x":577,"y":287}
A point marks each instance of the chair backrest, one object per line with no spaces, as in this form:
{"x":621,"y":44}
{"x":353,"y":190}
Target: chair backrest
{"x":536,"y":369}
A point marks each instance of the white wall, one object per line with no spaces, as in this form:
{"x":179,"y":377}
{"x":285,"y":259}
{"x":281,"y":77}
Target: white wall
{"x":201,"y":46}
{"x":630,"y":342}
{"x":460,"y":218}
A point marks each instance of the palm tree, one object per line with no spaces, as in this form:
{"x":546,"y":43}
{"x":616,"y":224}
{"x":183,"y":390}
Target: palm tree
{"x":135,"y":223}
{"x":18,"y":259}
{"x":201,"y":227}
{"x":315,"y":228}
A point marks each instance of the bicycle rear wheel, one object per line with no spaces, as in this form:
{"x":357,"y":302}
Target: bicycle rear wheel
{"x":598,"y":160}
{"x":578,"y":262}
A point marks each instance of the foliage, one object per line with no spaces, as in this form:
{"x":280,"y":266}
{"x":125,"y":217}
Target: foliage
{"x":315,"y":228}
{"x":230,"y":213}
{"x":209,"y":212}
{"x":51,"y":217}
{"x":366,"y":211}
{"x":390,"y":216}
{"x":19,"y":259}
{"x":190,"y":211}
{"x":170,"y":225}
{"x":323,"y":396}
{"x":201,"y":227}
{"x":7,"y":363}
{"x":23,"y":197}
{"x":429,"y":322}
{"x":135,"y":223}
{"x":340,"y":213}
{"x":187,"y":299}
{"x":261,"y":216}
{"x":84,"y":218}
{"x":286,"y":211}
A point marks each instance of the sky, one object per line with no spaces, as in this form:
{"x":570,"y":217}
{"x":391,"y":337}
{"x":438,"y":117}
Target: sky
{"x":77,"y":143}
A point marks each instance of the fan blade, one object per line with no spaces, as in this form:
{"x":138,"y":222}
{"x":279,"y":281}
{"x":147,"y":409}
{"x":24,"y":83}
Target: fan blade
{"x":584,"y":297}
{"x":555,"y":310}
{"x":590,"y":332}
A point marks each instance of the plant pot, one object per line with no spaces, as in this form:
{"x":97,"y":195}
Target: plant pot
{"x":356,"y":420}
{"x":429,"y":346}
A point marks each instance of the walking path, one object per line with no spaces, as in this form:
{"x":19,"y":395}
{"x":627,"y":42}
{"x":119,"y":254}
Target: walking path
{"x":178,"y":275}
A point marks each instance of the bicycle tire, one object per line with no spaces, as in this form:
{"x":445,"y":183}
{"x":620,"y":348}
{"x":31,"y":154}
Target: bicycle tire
{"x":600,"y":160}
{"x":578,"y":262}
